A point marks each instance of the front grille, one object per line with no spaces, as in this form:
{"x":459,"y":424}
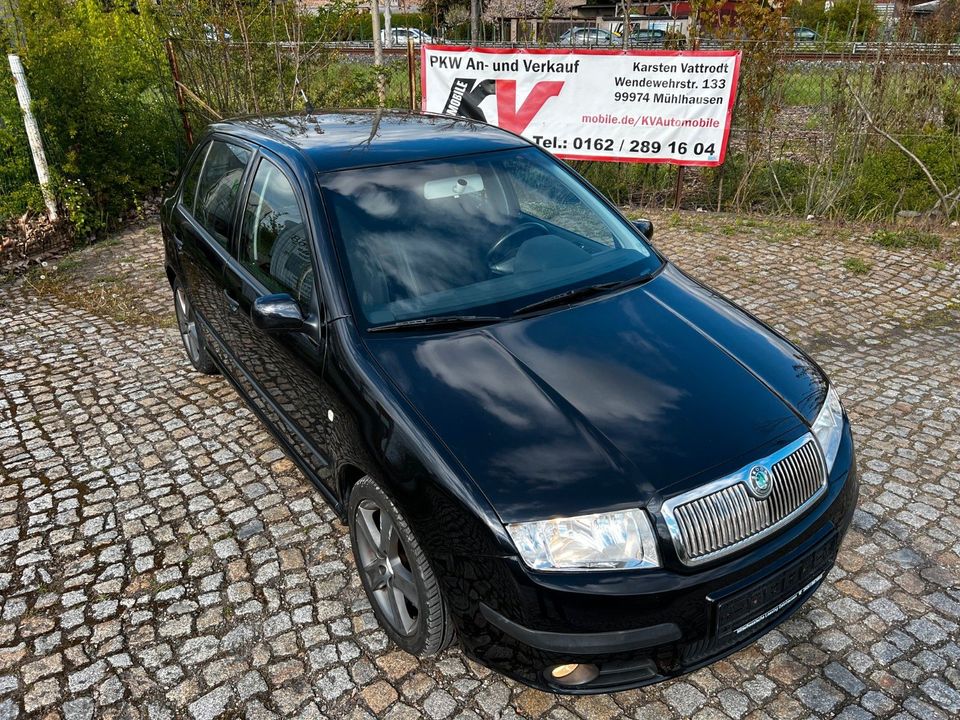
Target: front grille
{"x":726,"y":516}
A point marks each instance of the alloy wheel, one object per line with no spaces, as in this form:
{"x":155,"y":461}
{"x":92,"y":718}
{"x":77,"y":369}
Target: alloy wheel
{"x":386,"y":566}
{"x":187,"y":325}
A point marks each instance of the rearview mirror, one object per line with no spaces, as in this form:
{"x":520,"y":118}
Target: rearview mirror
{"x":279,"y":312}
{"x":645,"y":227}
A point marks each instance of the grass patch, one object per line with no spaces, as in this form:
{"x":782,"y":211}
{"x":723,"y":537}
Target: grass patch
{"x":856,"y":265}
{"x":74,"y":284}
{"x":906,"y":238}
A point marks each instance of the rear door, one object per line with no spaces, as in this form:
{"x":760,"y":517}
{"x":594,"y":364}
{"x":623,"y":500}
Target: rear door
{"x":281,"y":371}
{"x":204,"y":224}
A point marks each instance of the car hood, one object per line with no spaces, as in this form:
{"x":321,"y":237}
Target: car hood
{"x":620,"y":401}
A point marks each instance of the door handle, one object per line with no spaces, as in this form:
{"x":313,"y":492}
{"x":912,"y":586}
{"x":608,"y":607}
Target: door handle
{"x":232,"y":305}
{"x":178,"y":243}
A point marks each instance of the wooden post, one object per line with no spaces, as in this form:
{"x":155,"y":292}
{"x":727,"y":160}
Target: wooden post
{"x":411,"y":73}
{"x":178,"y":91}
{"x":33,"y":134}
{"x":678,"y":190}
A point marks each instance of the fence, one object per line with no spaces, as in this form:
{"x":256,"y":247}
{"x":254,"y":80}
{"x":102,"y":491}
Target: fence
{"x":856,"y":130}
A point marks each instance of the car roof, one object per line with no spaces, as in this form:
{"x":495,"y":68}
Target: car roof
{"x":359,"y":138}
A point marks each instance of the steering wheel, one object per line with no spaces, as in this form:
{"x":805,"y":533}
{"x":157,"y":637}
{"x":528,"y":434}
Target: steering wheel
{"x":502,"y":247}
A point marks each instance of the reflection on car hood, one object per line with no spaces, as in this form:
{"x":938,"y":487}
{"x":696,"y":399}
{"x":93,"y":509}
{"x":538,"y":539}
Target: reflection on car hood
{"x":614,"y":402}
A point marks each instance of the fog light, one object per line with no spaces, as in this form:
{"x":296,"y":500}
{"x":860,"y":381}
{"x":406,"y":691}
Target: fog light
{"x":570,"y":674}
{"x":561,"y":671}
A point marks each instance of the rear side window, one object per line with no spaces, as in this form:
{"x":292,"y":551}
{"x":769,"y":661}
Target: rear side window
{"x":218,"y":188}
{"x":193,"y":177}
{"x":273,"y":237}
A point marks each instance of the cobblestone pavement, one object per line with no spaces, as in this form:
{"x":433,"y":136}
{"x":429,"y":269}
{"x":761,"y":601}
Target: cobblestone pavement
{"x":160,"y":557}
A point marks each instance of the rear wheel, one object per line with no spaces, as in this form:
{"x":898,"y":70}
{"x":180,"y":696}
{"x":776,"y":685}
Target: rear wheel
{"x":193,"y":341}
{"x":395,"y":573}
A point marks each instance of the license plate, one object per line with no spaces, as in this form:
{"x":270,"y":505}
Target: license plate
{"x":749,"y":609}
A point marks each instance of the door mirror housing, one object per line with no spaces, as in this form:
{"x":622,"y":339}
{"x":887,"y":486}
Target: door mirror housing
{"x":277,"y":313}
{"x":645,"y":227}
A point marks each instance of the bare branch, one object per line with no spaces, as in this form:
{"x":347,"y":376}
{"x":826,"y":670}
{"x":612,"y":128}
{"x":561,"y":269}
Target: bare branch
{"x":947,"y":207}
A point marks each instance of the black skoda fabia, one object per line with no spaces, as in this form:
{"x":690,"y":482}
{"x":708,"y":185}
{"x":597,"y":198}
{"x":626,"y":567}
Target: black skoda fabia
{"x":547,"y":441}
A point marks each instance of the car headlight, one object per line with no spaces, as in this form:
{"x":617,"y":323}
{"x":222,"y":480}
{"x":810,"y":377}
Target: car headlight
{"x":621,"y":540}
{"x":828,"y":427}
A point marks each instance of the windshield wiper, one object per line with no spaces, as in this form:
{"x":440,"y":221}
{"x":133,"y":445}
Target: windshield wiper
{"x":439,"y":321}
{"x":568,"y":296}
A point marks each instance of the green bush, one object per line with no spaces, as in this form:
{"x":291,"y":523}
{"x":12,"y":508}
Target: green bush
{"x":19,"y":190}
{"x":96,"y":77}
{"x":888,"y":181}
{"x":354,"y":85}
{"x":855,"y":19}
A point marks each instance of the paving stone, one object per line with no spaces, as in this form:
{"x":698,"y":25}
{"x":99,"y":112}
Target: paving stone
{"x":942,"y":695}
{"x":379,"y":696}
{"x":819,"y":696}
{"x":9,"y":710}
{"x":79,"y":709}
{"x":439,"y":705}
{"x":211,"y":705}
{"x":87,"y":677}
{"x":684,"y":698}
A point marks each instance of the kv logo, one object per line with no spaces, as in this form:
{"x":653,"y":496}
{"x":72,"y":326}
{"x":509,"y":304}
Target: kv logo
{"x":466,"y":94}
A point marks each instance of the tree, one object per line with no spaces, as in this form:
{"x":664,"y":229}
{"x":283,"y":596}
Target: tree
{"x":810,"y":14}
{"x":543,"y":9}
{"x":856,"y":17}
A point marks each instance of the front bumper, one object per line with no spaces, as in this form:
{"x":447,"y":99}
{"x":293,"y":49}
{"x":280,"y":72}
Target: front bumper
{"x":643,"y":627}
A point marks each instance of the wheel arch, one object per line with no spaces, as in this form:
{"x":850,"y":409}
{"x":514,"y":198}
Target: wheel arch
{"x":347,"y":476}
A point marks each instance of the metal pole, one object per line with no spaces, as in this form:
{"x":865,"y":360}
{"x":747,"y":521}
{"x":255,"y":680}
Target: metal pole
{"x":388,"y":24}
{"x":33,"y":134}
{"x":474,"y":22}
{"x":378,"y":52}
{"x":411,"y":73}
{"x":178,"y":91}
{"x":626,"y":24}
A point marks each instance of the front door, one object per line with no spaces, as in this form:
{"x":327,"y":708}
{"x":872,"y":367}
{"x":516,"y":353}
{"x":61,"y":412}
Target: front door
{"x":282,"y":372}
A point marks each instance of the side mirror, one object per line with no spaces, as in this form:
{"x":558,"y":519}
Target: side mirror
{"x":278,"y":312}
{"x":645,"y":227}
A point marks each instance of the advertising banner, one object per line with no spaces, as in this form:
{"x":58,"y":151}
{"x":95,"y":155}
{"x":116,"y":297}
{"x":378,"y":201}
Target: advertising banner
{"x":655,"y":106}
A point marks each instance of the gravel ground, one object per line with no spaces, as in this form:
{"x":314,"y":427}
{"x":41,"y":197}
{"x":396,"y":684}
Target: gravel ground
{"x":160,"y":557}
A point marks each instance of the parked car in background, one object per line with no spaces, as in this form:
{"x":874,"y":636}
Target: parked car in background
{"x":587,"y":37}
{"x":398,"y":36}
{"x":805,"y":34}
{"x":546,"y":440}
{"x":648,"y":36}
{"x":215,"y":34}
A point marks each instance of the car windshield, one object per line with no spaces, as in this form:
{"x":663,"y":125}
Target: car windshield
{"x":484,"y":234}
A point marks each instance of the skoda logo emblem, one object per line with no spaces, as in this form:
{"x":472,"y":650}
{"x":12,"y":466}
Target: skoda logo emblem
{"x":760,"y":481}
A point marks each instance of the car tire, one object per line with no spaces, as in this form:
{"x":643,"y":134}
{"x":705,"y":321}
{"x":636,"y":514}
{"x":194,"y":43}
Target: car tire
{"x":395,"y":573}
{"x":193,"y":341}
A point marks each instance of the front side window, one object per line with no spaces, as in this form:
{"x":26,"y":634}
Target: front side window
{"x":274,"y":244}
{"x":218,"y":188}
{"x":483,"y":234}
